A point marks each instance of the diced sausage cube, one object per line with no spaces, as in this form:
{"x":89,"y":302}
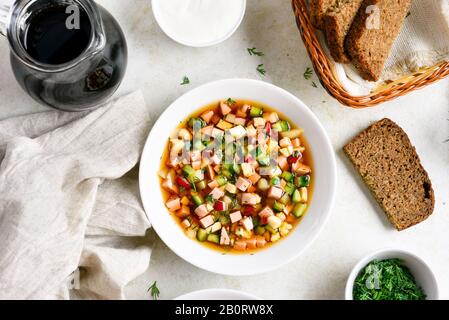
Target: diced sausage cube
{"x":207,"y":221}
{"x":214,"y":228}
{"x":248,"y":169}
{"x":224,"y":238}
{"x":259,"y":122}
{"x":247,"y":223}
{"x":186,"y":223}
{"x":261,"y":242}
{"x":217,"y":193}
{"x":301,"y":168}
{"x":243,"y":184}
{"x":173,"y":204}
{"x":275,"y":193}
{"x":207,"y":116}
{"x":202,"y":211}
{"x":250,"y":199}
{"x":184,"y":212}
{"x":224,"y":108}
{"x":251,"y":243}
{"x":235,"y":217}
{"x":265,"y":214}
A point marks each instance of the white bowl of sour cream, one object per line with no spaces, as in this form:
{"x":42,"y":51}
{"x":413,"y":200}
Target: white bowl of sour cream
{"x":199,"y":23}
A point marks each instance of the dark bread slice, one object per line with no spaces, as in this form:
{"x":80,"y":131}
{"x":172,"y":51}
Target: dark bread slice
{"x":337,"y":22}
{"x":369,"y":44}
{"x":390,"y":166}
{"x":318,"y":9}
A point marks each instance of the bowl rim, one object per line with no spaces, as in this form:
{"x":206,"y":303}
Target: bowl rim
{"x":239,"y":294}
{"x":332,"y":179}
{"x":205,"y":44}
{"x":389,"y":250}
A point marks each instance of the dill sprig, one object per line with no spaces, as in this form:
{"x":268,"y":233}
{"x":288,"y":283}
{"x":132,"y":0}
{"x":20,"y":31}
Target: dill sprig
{"x":254,"y":52}
{"x":154,"y":291}
{"x":260,"y":68}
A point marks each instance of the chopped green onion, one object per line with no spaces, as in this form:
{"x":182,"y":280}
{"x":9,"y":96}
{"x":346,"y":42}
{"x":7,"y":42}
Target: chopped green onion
{"x":256,"y":112}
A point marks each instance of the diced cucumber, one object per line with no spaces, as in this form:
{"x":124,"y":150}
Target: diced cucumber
{"x":197,"y":123}
{"x":197,"y":199}
{"x":281,"y":126}
{"x":201,"y":185}
{"x":221,"y":180}
{"x":302,"y":181}
{"x":278,"y":206}
{"x":290,"y":188}
{"x":272,"y":230}
{"x":224,"y":219}
{"x":264,"y":160}
{"x":256,"y":112}
{"x":296,"y":196}
{"x":228,"y":174}
{"x":213,"y":238}
{"x":275,"y":181}
{"x":201,"y":235}
{"x":285,"y":198}
{"x":188,"y":171}
{"x":288,"y":176}
{"x":299,"y":210}
{"x":236,"y":168}
{"x":260,"y":230}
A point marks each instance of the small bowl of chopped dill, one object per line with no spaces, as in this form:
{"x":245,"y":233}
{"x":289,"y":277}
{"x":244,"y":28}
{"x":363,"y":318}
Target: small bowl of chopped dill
{"x":391,"y":275}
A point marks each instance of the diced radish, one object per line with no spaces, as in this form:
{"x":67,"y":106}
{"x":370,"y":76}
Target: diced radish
{"x":268,"y":129}
{"x":294,"y":158}
{"x":184,"y":212}
{"x":182,"y":182}
{"x":235,"y":217}
{"x":173,"y":204}
{"x":217,"y":193}
{"x":251,"y":243}
{"x":202,"y":211}
{"x":240,"y":245}
{"x":224,"y":108}
{"x":243,"y":184}
{"x":247,"y":223}
{"x":224,"y":239}
{"x":220,"y":206}
{"x":250,"y":199}
{"x":275,"y":193}
{"x":206,"y":222}
{"x":248,"y":211}
{"x":265,"y":214}
{"x":207,"y":116}
{"x":168,"y":185}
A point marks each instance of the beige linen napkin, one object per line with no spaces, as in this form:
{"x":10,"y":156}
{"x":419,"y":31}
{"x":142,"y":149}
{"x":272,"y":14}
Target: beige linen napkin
{"x":422,"y":42}
{"x":66,"y":201}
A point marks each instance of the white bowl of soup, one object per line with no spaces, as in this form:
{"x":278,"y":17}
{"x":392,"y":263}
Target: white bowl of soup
{"x":238,"y":177}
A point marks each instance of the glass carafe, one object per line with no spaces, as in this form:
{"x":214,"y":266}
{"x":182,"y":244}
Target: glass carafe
{"x":83,"y":81}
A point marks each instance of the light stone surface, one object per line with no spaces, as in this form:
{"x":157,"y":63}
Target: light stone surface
{"x":357,"y":225}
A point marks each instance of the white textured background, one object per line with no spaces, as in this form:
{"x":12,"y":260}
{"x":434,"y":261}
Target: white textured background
{"x":357,"y":225}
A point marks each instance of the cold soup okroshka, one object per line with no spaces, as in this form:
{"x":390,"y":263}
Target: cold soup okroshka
{"x":237,"y":176}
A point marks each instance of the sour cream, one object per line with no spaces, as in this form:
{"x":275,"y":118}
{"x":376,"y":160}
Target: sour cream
{"x":199,"y":23}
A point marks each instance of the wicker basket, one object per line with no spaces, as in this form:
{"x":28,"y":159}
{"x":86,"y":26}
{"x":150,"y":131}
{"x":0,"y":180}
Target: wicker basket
{"x":324,"y":69}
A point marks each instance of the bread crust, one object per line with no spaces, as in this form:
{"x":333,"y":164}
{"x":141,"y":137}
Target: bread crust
{"x":369,"y":48}
{"x":390,"y":167}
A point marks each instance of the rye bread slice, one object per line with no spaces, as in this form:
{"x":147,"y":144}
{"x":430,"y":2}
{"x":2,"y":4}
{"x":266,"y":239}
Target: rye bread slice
{"x":318,"y":9}
{"x":389,"y":165}
{"x":337,"y":22}
{"x":372,"y":34}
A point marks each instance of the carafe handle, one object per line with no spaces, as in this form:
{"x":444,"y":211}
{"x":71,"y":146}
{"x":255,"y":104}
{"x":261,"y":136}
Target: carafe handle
{"x":5,"y":7}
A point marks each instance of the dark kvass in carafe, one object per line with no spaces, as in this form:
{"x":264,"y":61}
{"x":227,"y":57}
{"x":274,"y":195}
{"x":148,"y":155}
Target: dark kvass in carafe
{"x":70,"y":64}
